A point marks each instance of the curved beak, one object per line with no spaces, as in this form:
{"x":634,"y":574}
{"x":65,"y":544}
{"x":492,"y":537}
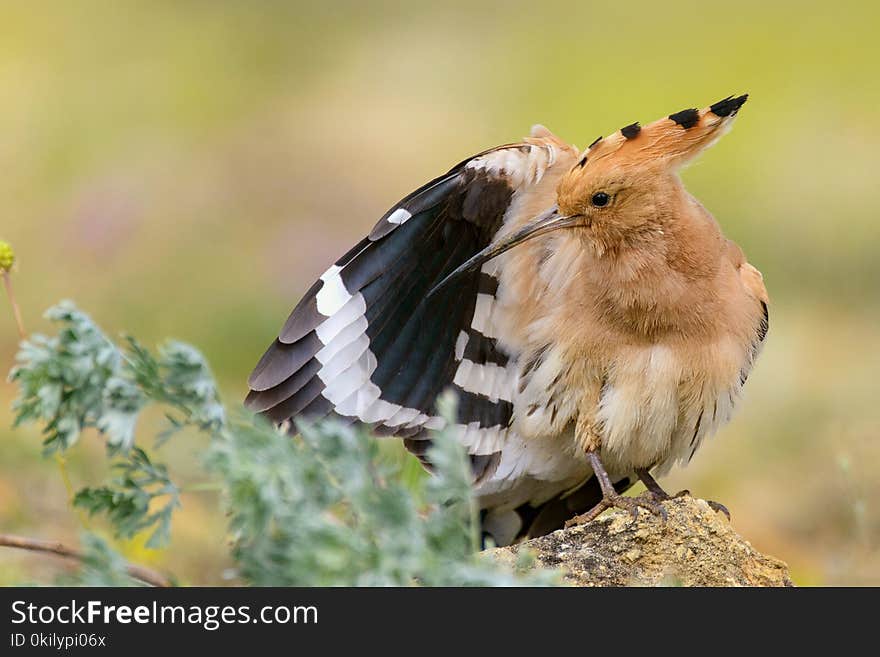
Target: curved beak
{"x":544,"y":223}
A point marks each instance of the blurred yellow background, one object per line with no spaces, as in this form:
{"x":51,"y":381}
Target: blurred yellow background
{"x":187,"y":169}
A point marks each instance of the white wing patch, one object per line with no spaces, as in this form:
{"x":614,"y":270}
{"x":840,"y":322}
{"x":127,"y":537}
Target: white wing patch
{"x":399,"y":216}
{"x":487,"y":379}
{"x":483,"y":316}
{"x":331,"y":327}
{"x":460,"y":344}
{"x":332,"y":295}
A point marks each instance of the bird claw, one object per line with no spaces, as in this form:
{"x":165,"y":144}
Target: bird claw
{"x":719,"y":507}
{"x":660,"y":496}
{"x":649,"y":503}
{"x":631,"y":504}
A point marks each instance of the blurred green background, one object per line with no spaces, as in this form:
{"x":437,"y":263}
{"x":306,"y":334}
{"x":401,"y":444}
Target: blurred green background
{"x":187,"y":169}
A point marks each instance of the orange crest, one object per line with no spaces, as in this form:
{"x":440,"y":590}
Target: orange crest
{"x":664,"y":145}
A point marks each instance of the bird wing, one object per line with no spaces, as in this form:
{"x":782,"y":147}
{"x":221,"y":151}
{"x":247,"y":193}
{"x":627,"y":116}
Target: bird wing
{"x":366,"y":342}
{"x":754,"y":284}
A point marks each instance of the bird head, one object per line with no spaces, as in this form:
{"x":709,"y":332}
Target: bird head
{"x":625,"y":186}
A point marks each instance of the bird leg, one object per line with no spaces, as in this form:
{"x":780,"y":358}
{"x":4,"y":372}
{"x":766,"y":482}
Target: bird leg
{"x":655,"y":489}
{"x":590,"y":441}
{"x":660,"y":495}
{"x":612,"y":499}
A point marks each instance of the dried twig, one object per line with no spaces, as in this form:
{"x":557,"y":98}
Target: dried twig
{"x":140,"y":573}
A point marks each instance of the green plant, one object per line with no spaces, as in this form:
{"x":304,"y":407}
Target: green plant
{"x":320,"y":508}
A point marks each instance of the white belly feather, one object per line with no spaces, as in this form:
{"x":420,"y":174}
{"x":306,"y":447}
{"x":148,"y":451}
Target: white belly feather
{"x":655,"y":409}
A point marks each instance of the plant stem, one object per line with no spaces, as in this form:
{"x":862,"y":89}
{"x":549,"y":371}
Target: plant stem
{"x":65,"y":477}
{"x":140,"y":573}
{"x":7,"y":281}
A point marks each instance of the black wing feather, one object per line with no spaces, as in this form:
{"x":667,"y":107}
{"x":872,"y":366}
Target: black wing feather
{"x":415,"y":245}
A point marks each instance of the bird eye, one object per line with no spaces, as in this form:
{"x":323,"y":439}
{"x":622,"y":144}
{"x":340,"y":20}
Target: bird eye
{"x":600,"y":199}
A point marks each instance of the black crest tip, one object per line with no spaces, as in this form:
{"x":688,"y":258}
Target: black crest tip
{"x":686,"y":118}
{"x":729,"y":106}
{"x":595,"y":141}
{"x":631,"y":131}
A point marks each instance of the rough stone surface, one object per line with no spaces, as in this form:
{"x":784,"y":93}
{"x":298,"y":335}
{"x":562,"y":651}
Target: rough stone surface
{"x":695,"y":547}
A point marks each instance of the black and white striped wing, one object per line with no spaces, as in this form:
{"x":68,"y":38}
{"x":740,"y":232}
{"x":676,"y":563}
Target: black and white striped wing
{"x":364,"y":342}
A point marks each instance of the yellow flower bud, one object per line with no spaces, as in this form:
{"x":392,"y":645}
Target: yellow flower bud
{"x":7,"y":256}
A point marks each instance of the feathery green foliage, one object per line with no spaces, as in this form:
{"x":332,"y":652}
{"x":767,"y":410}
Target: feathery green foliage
{"x":80,"y":379}
{"x":101,"y":566}
{"x":321,"y":508}
{"x":130,"y":499}
{"x":71,"y":381}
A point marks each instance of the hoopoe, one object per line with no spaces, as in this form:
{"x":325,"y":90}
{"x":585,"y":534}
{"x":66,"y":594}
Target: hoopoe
{"x":589,"y":314}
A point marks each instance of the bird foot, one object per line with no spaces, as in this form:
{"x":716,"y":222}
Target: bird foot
{"x":662,"y":496}
{"x":615,"y":500}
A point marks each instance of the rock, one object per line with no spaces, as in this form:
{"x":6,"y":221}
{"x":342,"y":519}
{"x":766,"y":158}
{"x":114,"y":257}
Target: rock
{"x":695,"y":547}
